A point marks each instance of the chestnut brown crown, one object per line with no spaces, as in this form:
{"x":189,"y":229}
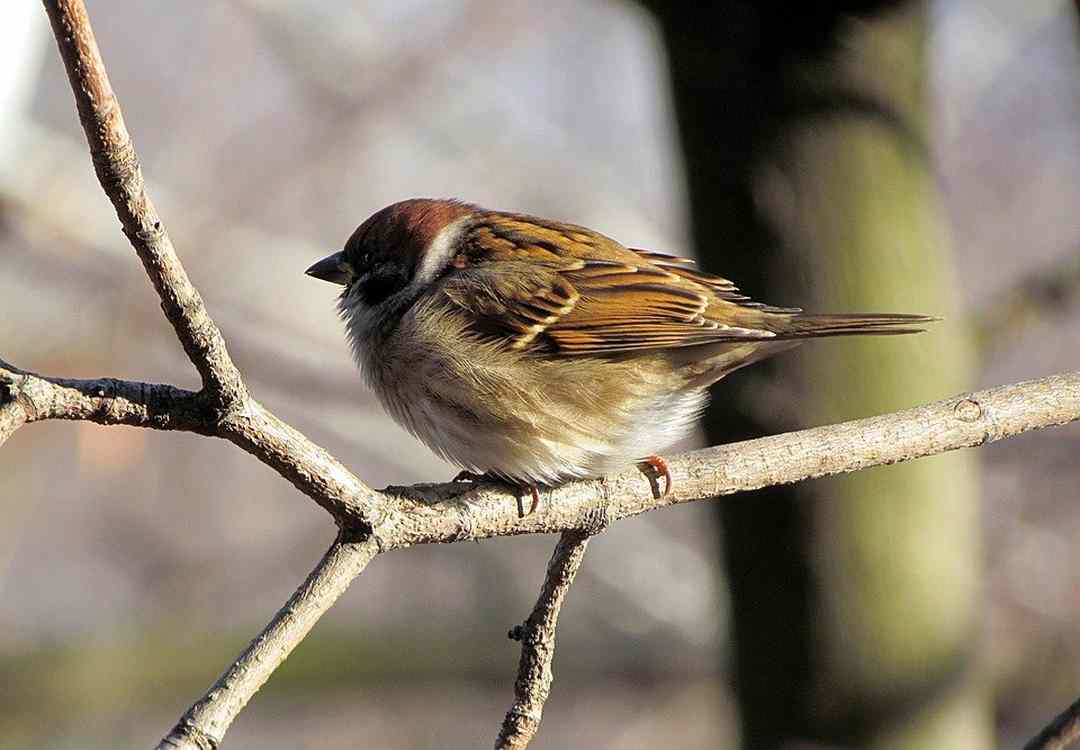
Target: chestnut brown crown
{"x":383,"y":254}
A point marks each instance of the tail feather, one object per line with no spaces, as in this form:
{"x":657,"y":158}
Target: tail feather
{"x":805,"y":325}
{"x":709,"y":363}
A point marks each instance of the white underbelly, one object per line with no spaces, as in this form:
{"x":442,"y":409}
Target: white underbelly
{"x":537,"y":454}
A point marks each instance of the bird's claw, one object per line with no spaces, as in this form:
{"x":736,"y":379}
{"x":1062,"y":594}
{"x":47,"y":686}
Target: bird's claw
{"x":534,"y":492}
{"x":657,"y":467}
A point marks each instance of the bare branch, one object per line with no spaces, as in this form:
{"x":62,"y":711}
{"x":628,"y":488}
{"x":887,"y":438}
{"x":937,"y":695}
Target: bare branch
{"x":960,"y":422}
{"x":107,"y":401}
{"x":450,"y":512}
{"x":537,"y":636}
{"x":232,"y":414}
{"x":104,"y":400}
{"x":309,"y":467}
{"x":118,"y":170}
{"x":12,"y":417}
{"x":399,"y":517}
{"x":205,"y":723}
{"x":1059,"y":733}
{"x":454,"y":512}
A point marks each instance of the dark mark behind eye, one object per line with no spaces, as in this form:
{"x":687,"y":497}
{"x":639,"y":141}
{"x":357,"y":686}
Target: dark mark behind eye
{"x":380,"y":283}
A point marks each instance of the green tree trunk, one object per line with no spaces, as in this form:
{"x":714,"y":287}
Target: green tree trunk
{"x":855,"y":600}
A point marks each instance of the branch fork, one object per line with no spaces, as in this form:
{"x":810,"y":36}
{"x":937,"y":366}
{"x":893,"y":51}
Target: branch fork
{"x":371,"y":521}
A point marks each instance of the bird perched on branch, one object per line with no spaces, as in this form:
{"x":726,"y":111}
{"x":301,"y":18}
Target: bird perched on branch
{"x":535,"y":351}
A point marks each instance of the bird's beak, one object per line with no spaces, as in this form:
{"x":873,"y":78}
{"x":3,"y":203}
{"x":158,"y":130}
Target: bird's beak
{"x":332,"y":268}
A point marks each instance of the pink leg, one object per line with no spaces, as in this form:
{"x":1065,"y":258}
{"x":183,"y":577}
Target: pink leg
{"x":659,"y":468}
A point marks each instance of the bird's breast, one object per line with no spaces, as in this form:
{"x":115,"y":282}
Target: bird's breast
{"x":531,"y":419}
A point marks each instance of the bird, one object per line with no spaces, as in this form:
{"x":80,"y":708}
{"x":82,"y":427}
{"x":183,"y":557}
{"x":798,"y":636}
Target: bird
{"x":536,"y":352}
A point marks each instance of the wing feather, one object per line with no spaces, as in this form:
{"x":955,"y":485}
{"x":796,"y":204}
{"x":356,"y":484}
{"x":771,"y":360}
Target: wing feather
{"x":535,"y":285}
{"x":539,"y":285}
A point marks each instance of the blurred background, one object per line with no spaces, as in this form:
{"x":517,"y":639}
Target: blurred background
{"x":910,"y":156}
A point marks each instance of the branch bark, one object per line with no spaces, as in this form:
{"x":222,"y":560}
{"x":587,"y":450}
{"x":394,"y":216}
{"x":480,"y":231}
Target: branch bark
{"x":118,"y":171}
{"x":441,"y":513}
{"x":204,"y":725}
{"x":372,"y":522}
{"x":537,"y":636}
{"x":1060,"y":733}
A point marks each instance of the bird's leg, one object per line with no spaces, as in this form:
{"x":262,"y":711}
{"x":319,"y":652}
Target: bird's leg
{"x":534,"y":492}
{"x":519,"y":493}
{"x":657,"y":467}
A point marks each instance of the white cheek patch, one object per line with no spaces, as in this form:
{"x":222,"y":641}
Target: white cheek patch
{"x":439,"y":252}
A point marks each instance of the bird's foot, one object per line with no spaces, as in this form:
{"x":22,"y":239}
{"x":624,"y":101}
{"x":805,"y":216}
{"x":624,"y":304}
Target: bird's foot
{"x":519,"y":489}
{"x":534,"y":493}
{"x":656,"y":467}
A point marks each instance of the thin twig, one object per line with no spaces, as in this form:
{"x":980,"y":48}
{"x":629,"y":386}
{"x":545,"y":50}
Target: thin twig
{"x":109,"y":401}
{"x":229,"y":410}
{"x":376,"y":521}
{"x":454,"y":512}
{"x":205,"y":723}
{"x":106,"y":401}
{"x":223,"y":406}
{"x":537,"y":636}
{"x":1060,"y":733}
{"x":118,"y":170}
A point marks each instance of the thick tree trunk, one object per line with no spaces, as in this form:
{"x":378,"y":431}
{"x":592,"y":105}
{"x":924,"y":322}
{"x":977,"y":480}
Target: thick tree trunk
{"x":854,"y":600}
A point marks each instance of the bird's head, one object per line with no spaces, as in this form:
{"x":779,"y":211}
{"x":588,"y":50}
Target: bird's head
{"x":405,"y":245}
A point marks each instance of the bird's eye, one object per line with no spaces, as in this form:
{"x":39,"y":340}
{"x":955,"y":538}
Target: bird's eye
{"x":365,"y":260}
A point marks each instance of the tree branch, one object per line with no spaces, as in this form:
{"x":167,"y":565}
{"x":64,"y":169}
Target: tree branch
{"x":229,"y":411}
{"x":373,"y":521}
{"x":204,"y":725}
{"x":450,"y":512}
{"x":118,"y":170}
{"x":12,"y":417}
{"x":1059,"y":733}
{"x":28,"y":397}
{"x":537,"y":636}
{"x":106,"y":401}
{"x":455,"y":512}
{"x":419,"y":514}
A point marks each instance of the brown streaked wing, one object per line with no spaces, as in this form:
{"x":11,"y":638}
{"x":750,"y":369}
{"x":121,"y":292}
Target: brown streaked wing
{"x":725,"y":289}
{"x":545,"y":286}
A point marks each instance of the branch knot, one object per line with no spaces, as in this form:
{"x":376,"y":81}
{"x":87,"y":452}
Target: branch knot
{"x":10,"y":387}
{"x":596,"y":519}
{"x":223,"y":408}
{"x":187,"y":734}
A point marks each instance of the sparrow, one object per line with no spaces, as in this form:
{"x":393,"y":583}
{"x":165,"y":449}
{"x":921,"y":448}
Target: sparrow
{"x":535,"y":351}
